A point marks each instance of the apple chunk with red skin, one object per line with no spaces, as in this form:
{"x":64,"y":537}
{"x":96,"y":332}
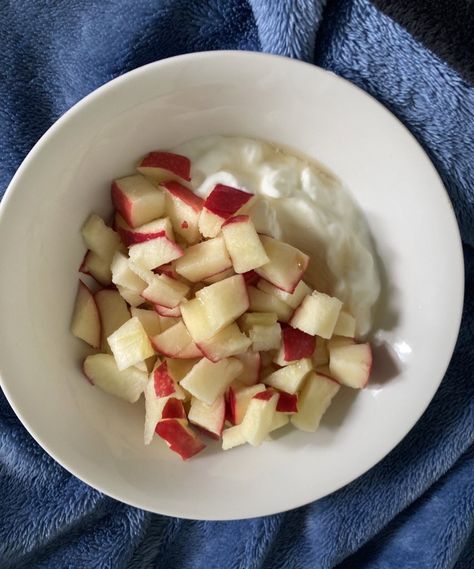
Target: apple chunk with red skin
{"x":113,"y":312}
{"x":228,"y":342}
{"x":173,"y":409}
{"x":165,"y":291}
{"x":258,"y":419}
{"x":137,"y":200}
{"x":86,"y":323}
{"x":243,"y":243}
{"x":175,"y":342}
{"x":221,"y":204}
{"x":296,"y":345}
{"x":317,"y":315}
{"x":287,"y":402}
{"x":130,"y":344}
{"x":351,"y":364}
{"x":291,"y":377}
{"x":316,"y":396}
{"x":179,"y":437}
{"x":204,"y":260}
{"x":208,"y":417}
{"x":155,"y":252}
{"x":160,"y":165}
{"x":145,"y":232}
{"x":184,"y":209}
{"x":239,"y":398}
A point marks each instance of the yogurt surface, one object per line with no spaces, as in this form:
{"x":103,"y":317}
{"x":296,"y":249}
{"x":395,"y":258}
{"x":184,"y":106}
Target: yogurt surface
{"x":301,"y":204}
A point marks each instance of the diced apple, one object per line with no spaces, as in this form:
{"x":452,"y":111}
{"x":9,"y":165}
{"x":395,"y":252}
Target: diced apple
{"x":179,"y":437}
{"x":102,"y":240}
{"x":279,"y":421}
{"x":221,"y":204}
{"x":204,"y":260}
{"x":228,"y":342}
{"x":315,"y":398}
{"x":317,"y":315}
{"x":101,"y":370}
{"x":137,"y":200}
{"x":86,"y":318}
{"x":208,"y":380}
{"x":265,"y":338}
{"x":296,"y":345}
{"x":293,"y":299}
{"x":232,"y":437}
{"x":321,"y":353}
{"x":160,"y":165}
{"x":351,"y":364}
{"x":173,"y":340}
{"x":149,"y":319}
{"x":239,"y":399}
{"x":250,"y":319}
{"x":155,"y":252}
{"x":145,"y":232}
{"x":262,"y":302}
{"x":190,"y":352}
{"x":251,"y":362}
{"x":165,"y":291}
{"x":258,"y":419}
{"x":286,"y":266}
{"x":219,"y":276}
{"x":345,"y":325}
{"x":97,"y":268}
{"x":243,"y":244}
{"x":113,"y":312}
{"x":208,"y":417}
{"x":291,"y":377}
{"x":165,"y":312}
{"x":184,"y":209}
{"x":123,"y":276}
{"x":164,"y":382}
{"x":287,"y":402}
{"x":173,"y":409}
{"x":130,"y":296}
{"x":130,"y":344}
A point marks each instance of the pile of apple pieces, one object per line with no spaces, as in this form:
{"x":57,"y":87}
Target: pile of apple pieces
{"x":207,"y":318}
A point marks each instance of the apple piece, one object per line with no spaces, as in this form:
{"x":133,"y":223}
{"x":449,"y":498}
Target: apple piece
{"x":315,"y":398}
{"x":208,"y":417}
{"x":145,"y":232}
{"x":155,"y":252}
{"x":179,"y":437}
{"x":296,"y":345}
{"x":113,"y":312}
{"x":259,"y":417}
{"x":123,"y":276}
{"x":97,"y":268}
{"x":251,"y":278}
{"x":149,"y":319}
{"x":102,"y":240}
{"x":180,"y":368}
{"x":101,"y":370}
{"x":86,"y":318}
{"x":291,"y":377}
{"x":286,"y":266}
{"x":173,"y":409}
{"x":219,"y":276}
{"x":251,"y":362}
{"x":164,"y":383}
{"x":160,"y":165}
{"x":351,"y":364}
{"x":239,"y":399}
{"x":279,"y":420}
{"x":165,"y":312}
{"x":137,"y":200}
{"x":173,"y":340}
{"x":184,"y":209}
{"x":345,"y":325}
{"x":130,"y":344}
{"x":232,"y":437}
{"x":317,"y":315}
{"x":262,"y":302}
{"x":208,"y":380}
{"x":243,"y":244}
{"x":204,"y":260}
{"x":228,"y":342}
{"x":265,"y":338}
{"x":287,"y":402}
{"x":165,"y":291}
{"x":250,"y":319}
{"x":321,"y":354}
{"x":130,"y":296}
{"x":293,"y":299}
{"x":190,"y":352}
{"x":221,"y":204}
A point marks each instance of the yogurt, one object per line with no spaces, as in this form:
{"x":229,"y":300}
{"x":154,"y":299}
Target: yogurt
{"x":301,"y":204}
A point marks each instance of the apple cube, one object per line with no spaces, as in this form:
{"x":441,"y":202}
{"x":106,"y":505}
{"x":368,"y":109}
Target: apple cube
{"x":155,"y":252}
{"x":165,"y":291}
{"x":250,"y":319}
{"x":208,"y":417}
{"x":243,"y":243}
{"x":149,"y":319}
{"x":321,"y":354}
{"x":101,"y":370}
{"x":137,"y":200}
{"x":351,"y":364}
{"x":345,"y":325}
{"x":86,"y":323}
{"x":260,"y":301}
{"x":317,"y":315}
{"x":296,"y":345}
{"x":173,"y":340}
{"x":145,"y":232}
{"x":173,"y":409}
{"x":221,"y":204}
{"x":232,"y":437}
{"x":160,"y":165}
{"x":251,"y":362}
{"x":113,"y":312}
{"x":123,"y":276}
{"x":287,"y":402}
{"x":179,"y":437}
{"x":286,"y":266}
{"x":130,"y":296}
{"x":265,"y":338}
{"x":184,"y":209}
{"x":239,"y":399}
{"x":130,"y":344}
{"x":293,"y":299}
{"x":208,"y":380}
{"x":315,"y":398}
{"x":291,"y":377}
{"x":97,"y":268}
{"x":164,"y":382}
{"x":204,"y":260}
{"x":228,"y":342}
{"x":259,"y":417}
{"x":100,"y":239}
{"x":219,"y":276}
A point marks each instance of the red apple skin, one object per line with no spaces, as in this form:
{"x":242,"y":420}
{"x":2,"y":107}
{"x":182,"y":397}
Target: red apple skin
{"x":164,"y":384}
{"x":265,"y":395}
{"x":297,"y":344}
{"x":179,"y":438}
{"x":175,"y":163}
{"x":236,"y":219}
{"x":251,"y":277}
{"x":287,"y":402}
{"x":121,"y":203}
{"x":173,"y":409}
{"x":224,"y":201}
{"x":184,"y":194}
{"x":133,"y":237}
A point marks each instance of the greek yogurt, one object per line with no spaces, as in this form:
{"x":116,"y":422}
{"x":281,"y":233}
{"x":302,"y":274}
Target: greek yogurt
{"x":301,"y":204}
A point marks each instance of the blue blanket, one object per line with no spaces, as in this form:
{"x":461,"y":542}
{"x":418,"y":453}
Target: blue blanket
{"x":413,"y":510}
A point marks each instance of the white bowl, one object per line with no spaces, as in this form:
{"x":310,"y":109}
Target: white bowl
{"x":67,"y":174}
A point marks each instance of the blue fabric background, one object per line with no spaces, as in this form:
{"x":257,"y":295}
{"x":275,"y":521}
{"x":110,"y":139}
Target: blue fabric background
{"x":413,"y":510}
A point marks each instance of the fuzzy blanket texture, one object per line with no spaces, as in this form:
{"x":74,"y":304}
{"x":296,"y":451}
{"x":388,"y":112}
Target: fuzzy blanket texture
{"x":415,"y":509}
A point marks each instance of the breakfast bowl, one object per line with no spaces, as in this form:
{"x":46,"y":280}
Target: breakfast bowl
{"x":315,"y":114}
